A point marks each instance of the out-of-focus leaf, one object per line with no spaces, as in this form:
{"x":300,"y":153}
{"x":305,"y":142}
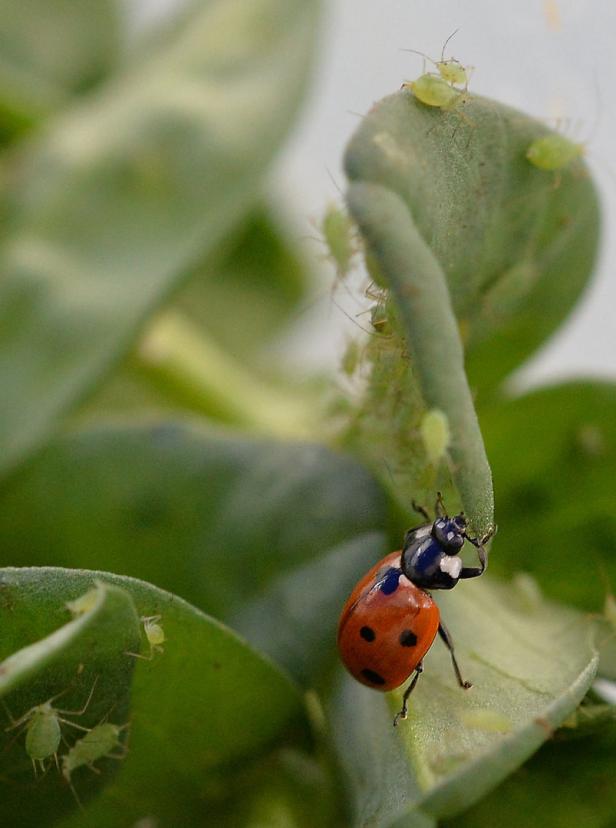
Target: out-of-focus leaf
{"x":127,"y":189}
{"x":210,"y":516}
{"x":287,"y":789}
{"x":530,"y":667}
{"x":244,"y":293}
{"x":195,"y":374}
{"x":49,"y":50}
{"x":238,"y":300}
{"x":566,"y":785}
{"x":294,"y":619}
{"x":553,"y":453}
{"x":207,"y":700}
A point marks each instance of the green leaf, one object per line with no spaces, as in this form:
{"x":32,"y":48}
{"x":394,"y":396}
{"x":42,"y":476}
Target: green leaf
{"x":210,"y":516}
{"x":129,"y":188}
{"x":48,"y":51}
{"x":285,"y":789}
{"x":530,"y":666}
{"x":553,"y":453}
{"x":477,"y":246}
{"x":565,"y":784}
{"x":515,"y":244}
{"x":189,"y":705}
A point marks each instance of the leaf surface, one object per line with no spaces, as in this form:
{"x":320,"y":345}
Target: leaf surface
{"x":530,"y":666}
{"x":188,"y":706}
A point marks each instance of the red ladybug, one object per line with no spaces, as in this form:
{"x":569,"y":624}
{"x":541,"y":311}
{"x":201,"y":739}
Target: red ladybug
{"x":389,"y":622}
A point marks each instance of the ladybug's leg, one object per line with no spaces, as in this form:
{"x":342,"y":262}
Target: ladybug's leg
{"x":407,"y":693}
{"x":420,"y":510}
{"x":439,"y":506}
{"x":444,"y":634}
{"x":475,"y":571}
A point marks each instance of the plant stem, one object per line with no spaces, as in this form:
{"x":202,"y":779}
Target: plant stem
{"x":176,"y":355}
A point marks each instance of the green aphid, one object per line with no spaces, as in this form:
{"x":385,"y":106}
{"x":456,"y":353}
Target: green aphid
{"x":100,"y":742}
{"x":450,"y":70}
{"x":435,"y":434}
{"x":155,"y":636}
{"x":553,"y":152}
{"x":379,"y":318}
{"x":453,"y":72}
{"x":43,"y":731}
{"x":432,"y":90}
{"x":339,"y":236}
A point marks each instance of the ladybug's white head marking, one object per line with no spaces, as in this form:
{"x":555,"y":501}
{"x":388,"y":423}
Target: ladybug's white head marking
{"x":452,"y":565}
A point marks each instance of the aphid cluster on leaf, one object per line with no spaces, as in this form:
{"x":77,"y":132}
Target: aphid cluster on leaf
{"x":444,"y":88}
{"x":42,"y":725}
{"x":46,"y":726}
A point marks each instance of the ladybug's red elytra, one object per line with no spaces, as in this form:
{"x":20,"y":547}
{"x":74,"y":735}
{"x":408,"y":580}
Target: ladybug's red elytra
{"x":389,"y":621}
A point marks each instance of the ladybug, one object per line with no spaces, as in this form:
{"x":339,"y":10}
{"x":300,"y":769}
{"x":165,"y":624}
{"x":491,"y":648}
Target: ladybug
{"x":389,"y":622}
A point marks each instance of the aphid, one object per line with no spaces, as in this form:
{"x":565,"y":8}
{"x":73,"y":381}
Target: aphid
{"x":389,"y":622}
{"x":99,"y":743}
{"x":379,"y":319}
{"x":435,"y":434}
{"x":450,"y":70}
{"x":553,"y":152}
{"x":432,"y":90}
{"x":43,"y":731}
{"x":338,"y":234}
{"x":155,"y":636}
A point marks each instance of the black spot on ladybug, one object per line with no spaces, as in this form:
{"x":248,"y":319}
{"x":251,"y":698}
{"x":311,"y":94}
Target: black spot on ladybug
{"x":390,"y":581}
{"x":372,"y":677}
{"x":367,"y":633}
{"x":408,"y":638}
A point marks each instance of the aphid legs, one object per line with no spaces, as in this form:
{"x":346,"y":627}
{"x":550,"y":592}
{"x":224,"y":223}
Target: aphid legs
{"x":445,"y":635}
{"x":41,"y":744}
{"x":76,"y":712}
{"x":28,"y":714}
{"x":402,"y":714}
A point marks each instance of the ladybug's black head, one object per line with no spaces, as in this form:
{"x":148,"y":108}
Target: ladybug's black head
{"x":450,"y":533}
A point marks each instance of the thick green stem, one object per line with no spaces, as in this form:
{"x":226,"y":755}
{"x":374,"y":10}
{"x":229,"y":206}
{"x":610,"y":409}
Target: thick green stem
{"x":192,"y":369}
{"x":419,"y":287}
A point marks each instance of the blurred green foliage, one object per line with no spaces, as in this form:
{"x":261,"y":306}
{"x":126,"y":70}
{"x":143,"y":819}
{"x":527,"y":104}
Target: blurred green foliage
{"x":147,"y":432}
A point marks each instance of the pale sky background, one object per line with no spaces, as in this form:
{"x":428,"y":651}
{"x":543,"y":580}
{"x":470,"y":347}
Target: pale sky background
{"x":551,"y":59}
